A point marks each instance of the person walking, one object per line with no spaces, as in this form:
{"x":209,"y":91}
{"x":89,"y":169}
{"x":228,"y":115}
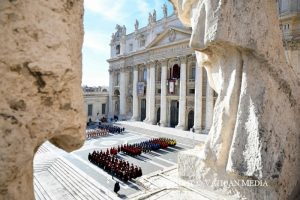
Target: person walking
{"x":117,"y":187}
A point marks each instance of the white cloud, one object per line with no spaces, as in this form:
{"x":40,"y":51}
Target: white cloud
{"x":101,"y":17}
{"x":97,"y":41}
{"x":143,"y":6}
{"x":109,"y":9}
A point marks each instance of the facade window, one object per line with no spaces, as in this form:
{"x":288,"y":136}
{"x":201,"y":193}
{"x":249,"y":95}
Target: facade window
{"x":130,"y":76}
{"x":130,"y":47}
{"x":158,"y":74}
{"x":193,"y":73}
{"x":90,"y":109}
{"x":103,"y":108}
{"x":142,"y":42}
{"x":118,"y":49}
{"x":118,"y":79}
{"x":192,"y":91}
{"x":145,"y":75}
{"x":158,"y":91}
{"x":175,"y":72}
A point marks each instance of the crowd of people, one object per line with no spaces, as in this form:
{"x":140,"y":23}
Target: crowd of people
{"x":111,"y":128}
{"x":94,"y":133}
{"x":107,"y":161}
{"x":146,"y":146}
{"x":116,"y":167}
{"x":131,"y":150}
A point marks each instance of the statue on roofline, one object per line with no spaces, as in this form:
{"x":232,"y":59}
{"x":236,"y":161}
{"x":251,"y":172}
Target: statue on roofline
{"x":165,"y":10}
{"x":154,"y":16}
{"x":136,"y":25}
{"x":124,"y":30}
{"x":150,"y":18}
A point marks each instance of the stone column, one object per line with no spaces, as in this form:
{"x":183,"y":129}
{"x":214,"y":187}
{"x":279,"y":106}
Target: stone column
{"x":198,"y":99}
{"x":135,"y":105}
{"x":111,"y":93}
{"x":152,"y":110}
{"x":147,"y":93}
{"x":123,"y":94}
{"x":209,"y":107}
{"x":182,"y":95}
{"x":163,"y":95}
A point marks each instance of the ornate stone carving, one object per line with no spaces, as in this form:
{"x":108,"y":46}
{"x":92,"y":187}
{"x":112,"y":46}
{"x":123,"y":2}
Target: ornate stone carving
{"x":164,"y":61}
{"x":110,"y":71}
{"x":182,"y":59}
{"x":173,"y":61}
{"x":120,"y":31}
{"x":172,"y":35}
{"x":257,"y":110}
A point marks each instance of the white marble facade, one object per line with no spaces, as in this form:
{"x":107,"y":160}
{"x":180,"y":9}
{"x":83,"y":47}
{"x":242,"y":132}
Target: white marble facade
{"x":141,"y":70}
{"x":95,"y":102}
{"x":153,"y":75}
{"x":290,"y":26}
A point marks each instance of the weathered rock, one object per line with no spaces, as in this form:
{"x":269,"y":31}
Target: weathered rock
{"x":41,"y":96}
{"x":256,"y":127}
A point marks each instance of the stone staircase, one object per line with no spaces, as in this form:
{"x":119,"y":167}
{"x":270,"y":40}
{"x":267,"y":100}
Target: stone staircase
{"x":59,"y":179}
{"x":43,"y":166}
{"x":43,"y":149}
{"x":77,"y":185}
{"x":40,"y":193}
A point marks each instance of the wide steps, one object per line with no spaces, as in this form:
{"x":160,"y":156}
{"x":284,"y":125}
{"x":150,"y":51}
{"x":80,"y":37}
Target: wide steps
{"x":76,"y":184}
{"x":40,"y":193}
{"x":43,"y":166}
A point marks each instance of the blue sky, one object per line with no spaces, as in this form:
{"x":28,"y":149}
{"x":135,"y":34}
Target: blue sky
{"x":100,"y":19}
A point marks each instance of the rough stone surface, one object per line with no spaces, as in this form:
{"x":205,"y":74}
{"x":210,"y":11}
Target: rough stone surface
{"x":256,"y":127}
{"x":41,"y":96}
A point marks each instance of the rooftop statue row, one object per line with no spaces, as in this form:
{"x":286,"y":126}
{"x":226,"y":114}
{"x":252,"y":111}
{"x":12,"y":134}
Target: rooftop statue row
{"x":120,"y":31}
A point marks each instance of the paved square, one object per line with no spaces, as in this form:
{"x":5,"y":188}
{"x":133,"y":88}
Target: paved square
{"x":154,"y":161}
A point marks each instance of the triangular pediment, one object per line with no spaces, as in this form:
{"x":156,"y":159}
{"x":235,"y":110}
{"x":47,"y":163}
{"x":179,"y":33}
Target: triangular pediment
{"x":170,"y":35}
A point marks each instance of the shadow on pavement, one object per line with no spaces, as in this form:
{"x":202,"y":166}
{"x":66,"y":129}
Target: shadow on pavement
{"x":170,"y":150}
{"x":177,"y":147}
{"x":122,"y":196}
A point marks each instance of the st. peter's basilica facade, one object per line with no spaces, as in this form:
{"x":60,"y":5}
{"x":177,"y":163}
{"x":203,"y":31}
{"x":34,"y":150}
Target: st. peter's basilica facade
{"x":154,"y":78}
{"x":154,"y":75}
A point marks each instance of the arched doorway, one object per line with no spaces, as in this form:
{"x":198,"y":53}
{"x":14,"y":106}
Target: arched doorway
{"x":174,"y":113}
{"x":158,"y":115}
{"x":190,"y":119}
{"x":174,"y":72}
{"x":143,"y":109}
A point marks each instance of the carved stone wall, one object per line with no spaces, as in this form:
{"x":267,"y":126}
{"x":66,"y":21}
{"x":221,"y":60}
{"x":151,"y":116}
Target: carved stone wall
{"x":41,"y":96}
{"x":255,"y":130}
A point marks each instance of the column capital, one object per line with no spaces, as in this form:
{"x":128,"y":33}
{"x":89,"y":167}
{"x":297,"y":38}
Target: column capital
{"x":135,"y":67}
{"x":150,"y":63}
{"x":122,"y":69}
{"x":191,"y":57}
{"x":182,"y":59}
{"x":111,"y":71}
{"x":164,"y":61}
